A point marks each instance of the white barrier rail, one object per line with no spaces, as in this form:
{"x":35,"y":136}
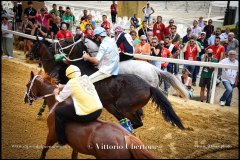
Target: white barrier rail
{"x":28,"y":36}
{"x":171,"y":60}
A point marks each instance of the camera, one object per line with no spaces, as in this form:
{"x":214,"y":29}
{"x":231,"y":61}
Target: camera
{"x":209,"y":54}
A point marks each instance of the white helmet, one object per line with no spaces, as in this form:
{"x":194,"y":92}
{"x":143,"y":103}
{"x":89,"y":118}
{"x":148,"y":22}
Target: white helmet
{"x":100,"y":31}
{"x":73,"y":72}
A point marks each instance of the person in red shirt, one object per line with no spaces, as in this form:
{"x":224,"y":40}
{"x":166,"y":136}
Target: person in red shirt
{"x":218,"y":49}
{"x":113,"y":12}
{"x":88,"y":32}
{"x":168,"y":28}
{"x":43,"y":18}
{"x":158,"y":29}
{"x":105,"y":24}
{"x":191,"y":50}
{"x":63,"y":33}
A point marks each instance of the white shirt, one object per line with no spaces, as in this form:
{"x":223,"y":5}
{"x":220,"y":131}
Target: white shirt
{"x":8,"y":35}
{"x":229,"y":74}
{"x":196,"y":31}
{"x":223,"y":36}
{"x":211,"y":40}
{"x":108,"y":57}
{"x":147,"y":11}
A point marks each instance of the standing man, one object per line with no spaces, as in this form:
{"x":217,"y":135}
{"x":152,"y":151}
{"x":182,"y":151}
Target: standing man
{"x":17,"y":9}
{"x":148,"y":11}
{"x":84,"y":17}
{"x":229,"y":78}
{"x":54,"y":10}
{"x":113,"y":12}
{"x":158,"y":28}
{"x":61,"y":11}
{"x":30,"y":12}
{"x":144,"y":29}
{"x":233,"y":44}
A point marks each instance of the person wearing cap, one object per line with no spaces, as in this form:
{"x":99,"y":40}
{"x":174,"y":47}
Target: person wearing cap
{"x":125,"y":42}
{"x":230,"y":78}
{"x":30,"y":12}
{"x":148,"y":11}
{"x":43,"y":18}
{"x":206,"y":75}
{"x":168,"y":28}
{"x":143,"y":47}
{"x":87,"y":105}
{"x":107,"y":59}
{"x":187,"y":81}
{"x":201,"y":23}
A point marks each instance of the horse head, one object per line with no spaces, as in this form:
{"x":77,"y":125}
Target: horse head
{"x":92,"y":46}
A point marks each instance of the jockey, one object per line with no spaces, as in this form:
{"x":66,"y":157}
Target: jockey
{"x":125,"y":43}
{"x":87,"y":105}
{"x":107,"y":58}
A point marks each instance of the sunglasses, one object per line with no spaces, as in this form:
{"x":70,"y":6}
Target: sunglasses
{"x":143,"y":39}
{"x":191,"y":41}
{"x":173,"y":28}
{"x":171,"y":22}
{"x":154,"y":42}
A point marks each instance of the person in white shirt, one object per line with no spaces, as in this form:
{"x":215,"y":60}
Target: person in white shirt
{"x":107,"y":57}
{"x":196,"y":30}
{"x":229,"y":78}
{"x":224,"y":36}
{"x":148,"y":11}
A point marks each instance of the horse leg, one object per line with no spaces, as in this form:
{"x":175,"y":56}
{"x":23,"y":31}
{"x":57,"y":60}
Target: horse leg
{"x":115,"y":111}
{"x":74,"y":154}
{"x":51,"y":140}
{"x":41,"y":109}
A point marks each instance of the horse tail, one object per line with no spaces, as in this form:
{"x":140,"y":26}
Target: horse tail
{"x":165,"y":107}
{"x":177,"y":85}
{"x":140,"y":152}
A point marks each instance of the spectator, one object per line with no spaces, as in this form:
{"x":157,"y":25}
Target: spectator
{"x":174,"y":52}
{"x":39,"y":30}
{"x":84,"y":17}
{"x":105,"y":24}
{"x":209,"y":28}
{"x":187,"y":37}
{"x":91,"y":22}
{"x":153,"y":21}
{"x":78,"y":31}
{"x":61,"y":11}
{"x":233,"y":44}
{"x":165,"y":53}
{"x":143,"y":47}
{"x":201,"y":23}
{"x":30,"y":12}
{"x":56,"y":26}
{"x":156,"y":51}
{"x":196,"y":30}
{"x":168,"y":28}
{"x":191,"y":50}
{"x":108,"y":32}
{"x":134,"y":21}
{"x":43,"y":18}
{"x":158,"y":28}
{"x":68,"y":19}
{"x":149,"y":37}
{"x":63,"y":33}
{"x":17,"y":9}
{"x":206,"y":75}
{"x":113,"y":9}
{"x":125,"y":43}
{"x":88,"y":32}
{"x":132,"y":28}
{"x":7,"y":38}
{"x":134,"y":37}
{"x":224,"y":36}
{"x":26,"y":28}
{"x":54,"y":10}
{"x":211,"y":40}
{"x":148,"y":11}
{"x":144,"y":29}
{"x":187,"y":81}
{"x":204,"y":44}
{"x":218,"y":49}
{"x":229,"y":78}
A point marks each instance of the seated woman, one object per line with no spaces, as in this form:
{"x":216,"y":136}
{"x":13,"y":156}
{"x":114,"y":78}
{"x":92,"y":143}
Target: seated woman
{"x":187,"y":81}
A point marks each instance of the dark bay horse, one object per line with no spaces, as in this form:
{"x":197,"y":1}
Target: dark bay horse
{"x":125,"y":95}
{"x":98,"y":138}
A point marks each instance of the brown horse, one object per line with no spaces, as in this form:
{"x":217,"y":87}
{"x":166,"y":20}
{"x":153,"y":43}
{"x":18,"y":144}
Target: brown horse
{"x":98,"y":138}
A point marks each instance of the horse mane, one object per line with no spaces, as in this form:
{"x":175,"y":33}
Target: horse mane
{"x":45,"y":77}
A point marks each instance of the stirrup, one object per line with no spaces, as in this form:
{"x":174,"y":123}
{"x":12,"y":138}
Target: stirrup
{"x":126,"y":124}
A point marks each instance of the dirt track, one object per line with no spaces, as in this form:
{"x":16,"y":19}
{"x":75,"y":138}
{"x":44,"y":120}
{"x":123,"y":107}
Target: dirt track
{"x":212,"y":131}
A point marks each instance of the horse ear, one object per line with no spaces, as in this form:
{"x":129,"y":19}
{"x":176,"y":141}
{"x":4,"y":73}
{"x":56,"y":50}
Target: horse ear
{"x":31,"y":75}
{"x":40,"y":72}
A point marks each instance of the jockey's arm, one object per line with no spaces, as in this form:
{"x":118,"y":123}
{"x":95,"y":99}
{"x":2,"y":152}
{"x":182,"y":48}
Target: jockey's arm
{"x":91,"y":59}
{"x":64,"y":94}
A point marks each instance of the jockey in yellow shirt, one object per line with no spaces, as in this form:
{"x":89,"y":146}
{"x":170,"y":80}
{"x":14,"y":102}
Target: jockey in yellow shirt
{"x":87,"y":105}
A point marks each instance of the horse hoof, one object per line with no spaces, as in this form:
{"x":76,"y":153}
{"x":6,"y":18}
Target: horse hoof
{"x":39,"y":117}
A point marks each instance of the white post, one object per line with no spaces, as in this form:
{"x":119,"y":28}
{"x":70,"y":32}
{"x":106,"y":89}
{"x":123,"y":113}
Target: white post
{"x":214,"y":85}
